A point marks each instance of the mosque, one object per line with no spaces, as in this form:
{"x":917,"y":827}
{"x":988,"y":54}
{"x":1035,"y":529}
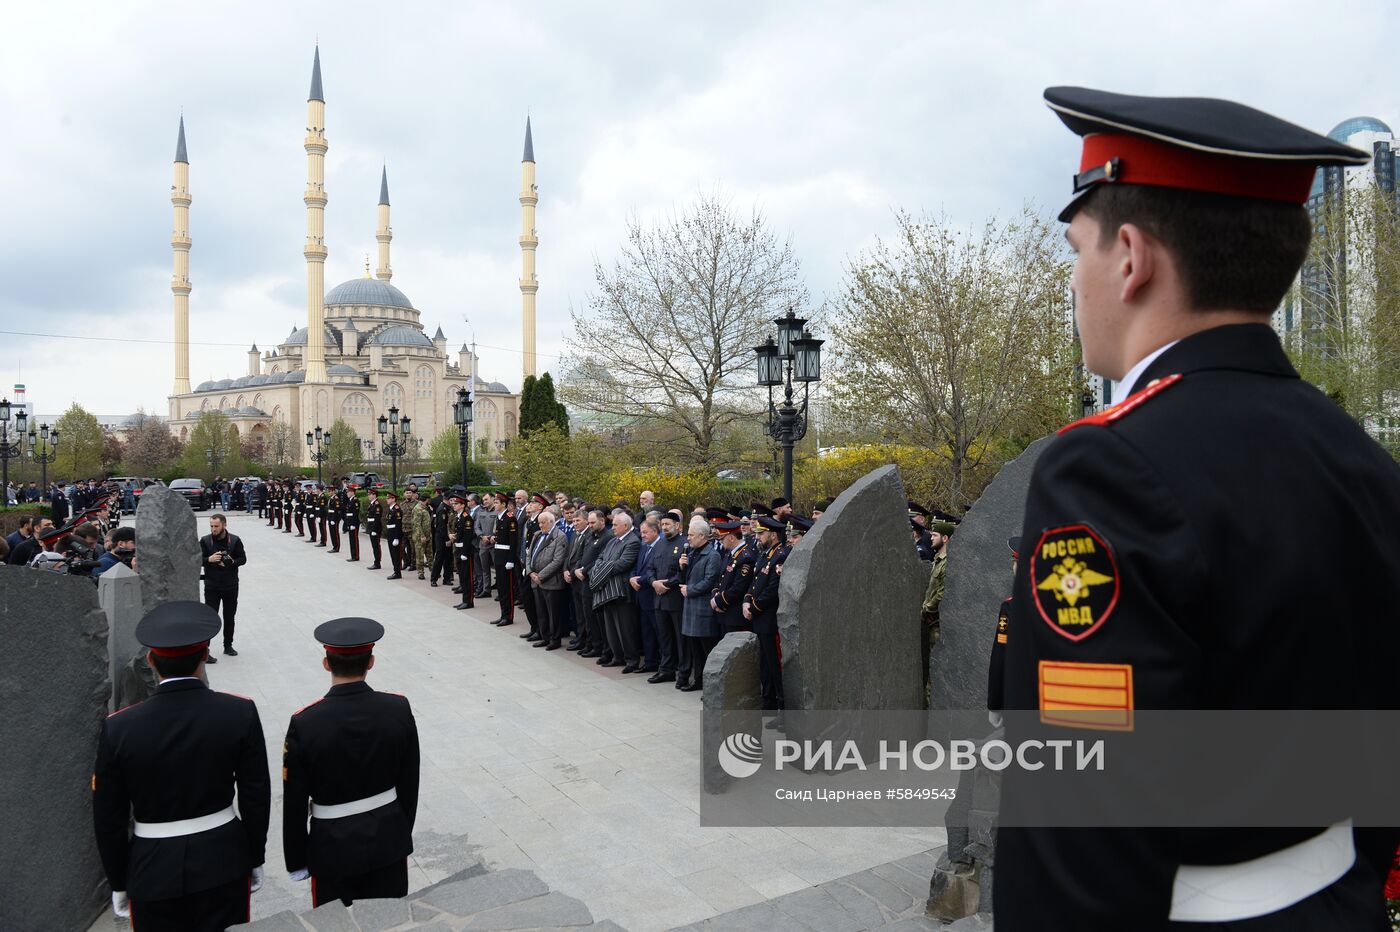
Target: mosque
{"x":364,"y":348}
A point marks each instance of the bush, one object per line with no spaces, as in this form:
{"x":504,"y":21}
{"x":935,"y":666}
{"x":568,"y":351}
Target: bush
{"x":828,"y":475}
{"x":683,"y":490}
{"x":744,"y":491}
{"x":476,"y":475}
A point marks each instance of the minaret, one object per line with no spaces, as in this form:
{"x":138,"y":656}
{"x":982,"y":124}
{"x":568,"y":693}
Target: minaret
{"x":529,"y":197}
{"x":180,"y":280}
{"x":384,"y":234}
{"x":315,"y":249}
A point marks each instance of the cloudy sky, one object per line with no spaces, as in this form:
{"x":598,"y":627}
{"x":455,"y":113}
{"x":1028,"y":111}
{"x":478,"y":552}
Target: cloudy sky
{"x":826,"y":116}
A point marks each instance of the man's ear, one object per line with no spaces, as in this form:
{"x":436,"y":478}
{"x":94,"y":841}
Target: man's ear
{"x":325,"y":664}
{"x":370,"y":666}
{"x":1138,"y":261}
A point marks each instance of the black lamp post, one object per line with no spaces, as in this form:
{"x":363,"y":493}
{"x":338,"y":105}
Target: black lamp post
{"x":43,"y":449}
{"x":393,"y":438}
{"x":10,"y":449}
{"x":802,"y":353}
{"x":462,"y":417}
{"x":320,"y":451}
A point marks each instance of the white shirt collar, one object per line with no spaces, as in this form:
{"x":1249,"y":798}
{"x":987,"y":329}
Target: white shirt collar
{"x":176,"y":679}
{"x":1129,"y":382}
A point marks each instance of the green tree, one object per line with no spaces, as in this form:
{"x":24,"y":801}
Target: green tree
{"x":345,"y":450}
{"x":80,"y":449}
{"x":538,"y":405}
{"x":958,"y":340}
{"x":444,"y":456}
{"x":547,"y":458}
{"x":212,"y":448}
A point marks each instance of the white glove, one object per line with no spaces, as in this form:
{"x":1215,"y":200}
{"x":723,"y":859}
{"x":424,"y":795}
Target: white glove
{"x":994,"y":718}
{"x":257,"y":879}
{"x":120,"y":904}
{"x":299,"y":875}
{"x":510,"y":566}
{"x":395,"y":542}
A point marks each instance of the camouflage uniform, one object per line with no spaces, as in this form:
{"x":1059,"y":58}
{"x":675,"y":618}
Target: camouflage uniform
{"x":421,"y":529}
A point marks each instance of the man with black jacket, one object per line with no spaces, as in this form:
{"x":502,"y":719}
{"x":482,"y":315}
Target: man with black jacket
{"x":174,"y":762}
{"x":350,"y":762}
{"x":613,"y":598}
{"x":664,"y":577}
{"x":590,"y":542}
{"x":444,"y":554}
{"x":222,"y":554}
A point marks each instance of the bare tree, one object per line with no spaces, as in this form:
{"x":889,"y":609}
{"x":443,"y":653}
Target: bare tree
{"x":281,"y":446}
{"x":150,"y":448}
{"x":667,"y":338}
{"x":958,"y":341}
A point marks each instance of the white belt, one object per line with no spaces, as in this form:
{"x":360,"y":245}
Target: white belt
{"x":460,"y":546}
{"x":503,"y":546}
{"x":184,"y":826}
{"x":1234,"y":892}
{"x":341,"y":810}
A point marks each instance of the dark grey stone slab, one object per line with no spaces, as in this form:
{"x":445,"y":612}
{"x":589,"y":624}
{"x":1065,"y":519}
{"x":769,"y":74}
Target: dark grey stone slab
{"x":913,"y":924}
{"x":553,"y":910}
{"x":167,"y":541}
{"x":607,"y":925}
{"x":889,"y":895}
{"x":978,"y":579}
{"x":378,"y":915}
{"x":54,"y":693}
{"x":760,"y":917}
{"x":915,"y":885}
{"x":849,"y":607}
{"x":864,"y":911}
{"x":731,"y":699}
{"x":920,"y":864}
{"x":330,"y":917}
{"x":818,"y":910}
{"x":422,"y":913}
{"x":285,"y":921}
{"x":119,"y":594}
{"x":477,"y":894}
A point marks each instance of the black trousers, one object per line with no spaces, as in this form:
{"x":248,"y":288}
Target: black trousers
{"x":505,"y":580}
{"x":374,"y":546}
{"x":624,"y":635}
{"x":550,"y":612}
{"x":675,"y":652}
{"x":381,"y":883}
{"x":323,"y":531}
{"x":444,"y":556}
{"x":578,"y":591}
{"x":464,"y":576}
{"x":770,"y":672}
{"x":212,"y":910}
{"x":354,"y":535}
{"x":396,"y":551}
{"x":700,"y":648}
{"x":335,"y":536}
{"x":527,"y":600}
{"x":300,"y":531}
{"x":229,"y":598}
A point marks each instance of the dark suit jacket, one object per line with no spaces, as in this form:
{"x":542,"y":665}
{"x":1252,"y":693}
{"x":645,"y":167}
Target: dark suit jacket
{"x":177,"y":755}
{"x":350,"y":744}
{"x":608,"y":577}
{"x":646,"y":596}
{"x":666,"y":566}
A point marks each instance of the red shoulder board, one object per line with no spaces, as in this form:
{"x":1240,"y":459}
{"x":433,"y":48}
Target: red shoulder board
{"x":123,"y":709}
{"x":307,"y":706}
{"x":237,"y":695}
{"x":1127,"y":405}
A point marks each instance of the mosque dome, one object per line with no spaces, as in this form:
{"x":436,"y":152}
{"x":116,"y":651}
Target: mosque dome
{"x":298,"y":337}
{"x":367,"y":291}
{"x":223,"y":383}
{"x":204,"y":387}
{"x":342,"y":369}
{"x":1357,"y":124}
{"x":258,"y":380}
{"x":296,"y":375}
{"x":250,"y":411}
{"x":497,"y":387}
{"x":401,"y":335}
{"x":243,"y":381}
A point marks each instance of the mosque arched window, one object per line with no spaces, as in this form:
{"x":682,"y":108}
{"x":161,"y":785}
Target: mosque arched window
{"x":356,"y":404}
{"x":393,"y":396}
{"x":423,"y":381}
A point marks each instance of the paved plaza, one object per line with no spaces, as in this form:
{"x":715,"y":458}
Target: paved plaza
{"x":532,"y":760}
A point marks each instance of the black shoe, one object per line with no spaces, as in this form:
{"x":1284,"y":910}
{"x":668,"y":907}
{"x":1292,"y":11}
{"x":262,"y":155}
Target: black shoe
{"x":540,"y":642}
{"x":374,"y":566}
{"x":531,"y":636}
{"x":609,"y":663}
{"x":689,"y":687}
{"x":454,"y":588}
{"x":211,"y":659}
{"x":433,"y":584}
{"x":462,"y":606}
{"x":662,"y":678}
{"x":394,"y":576}
{"x":586,"y":653}
{"x":321,"y":544}
{"x":333,"y":550}
{"x":649,"y":668}
{"x":229,"y":651}
{"x":553,"y":645}
{"x":631,"y":668}
{"x":775,"y":724}
{"x":575,"y":648}
{"x":503,"y":623}
{"x":353,"y":560}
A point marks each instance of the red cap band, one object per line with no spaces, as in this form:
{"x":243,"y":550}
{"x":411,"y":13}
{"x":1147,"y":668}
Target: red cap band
{"x":180,"y":651}
{"x":1148,"y":162}
{"x":358,"y":649}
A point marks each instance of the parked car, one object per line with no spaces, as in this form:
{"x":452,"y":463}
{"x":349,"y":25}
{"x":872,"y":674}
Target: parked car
{"x":366,"y":480}
{"x":424,"y":480}
{"x":306,"y":485}
{"x":199,"y":495}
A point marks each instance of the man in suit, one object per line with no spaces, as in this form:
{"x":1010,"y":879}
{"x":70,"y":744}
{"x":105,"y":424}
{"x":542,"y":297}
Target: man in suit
{"x":593,"y":636}
{"x":529,"y":529}
{"x":350,"y":762}
{"x":483,"y":526}
{"x":544,"y":566}
{"x":174,"y":763}
{"x":607,"y":579}
{"x":640,"y":581}
{"x":664,"y":578}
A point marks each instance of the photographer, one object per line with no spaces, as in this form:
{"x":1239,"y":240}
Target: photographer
{"x":121,"y":548}
{"x":222,"y":554}
{"x":80,"y":554}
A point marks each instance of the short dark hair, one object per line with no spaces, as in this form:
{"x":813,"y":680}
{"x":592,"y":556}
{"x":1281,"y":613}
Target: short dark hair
{"x":349,"y":664}
{"x":221,"y":518}
{"x":120,"y":535}
{"x":178,"y":666}
{"x":26,"y":521}
{"x":1233,"y":253}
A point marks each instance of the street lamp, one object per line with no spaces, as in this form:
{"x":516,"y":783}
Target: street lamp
{"x":10,"y":449}
{"x":43,"y":450}
{"x":393,"y":434}
{"x":320,"y":452}
{"x":462,"y":417}
{"x":795,"y":356}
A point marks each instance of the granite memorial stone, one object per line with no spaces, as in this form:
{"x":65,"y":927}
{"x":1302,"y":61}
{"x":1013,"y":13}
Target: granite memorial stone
{"x":730,"y":698}
{"x":167,"y":541}
{"x":119,"y":594}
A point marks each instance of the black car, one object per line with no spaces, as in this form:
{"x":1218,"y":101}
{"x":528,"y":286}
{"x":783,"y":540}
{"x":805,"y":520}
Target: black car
{"x":195,"y":492}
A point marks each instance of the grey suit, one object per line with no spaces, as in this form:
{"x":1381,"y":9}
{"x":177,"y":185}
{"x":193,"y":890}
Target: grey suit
{"x":613,"y":596}
{"x":484,"y":524}
{"x":546,"y":556}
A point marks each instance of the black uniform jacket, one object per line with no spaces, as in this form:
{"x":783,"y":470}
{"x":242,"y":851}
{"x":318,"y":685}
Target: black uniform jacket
{"x":224,"y":574}
{"x":178,"y":755}
{"x":763,"y":594}
{"x":464,"y":530}
{"x":1227,"y":537}
{"x":508,"y":536}
{"x":374,"y":512}
{"x":351,"y":512}
{"x":666,"y":566}
{"x":350,"y":744}
{"x":996,"y":667}
{"x":734,"y":585}
{"x":393,"y":523}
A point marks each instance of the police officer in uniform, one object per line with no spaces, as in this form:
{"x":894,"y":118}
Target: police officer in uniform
{"x":996,"y":666}
{"x":350,"y":514}
{"x":461,"y":540}
{"x":734,"y":582}
{"x":321,"y":502}
{"x":350,"y":762}
{"x":374,"y":519}
{"x":1157,"y":552}
{"x":444,"y":554}
{"x":761,"y":610}
{"x":394,"y":532}
{"x":169,"y":767}
{"x":505,"y":543}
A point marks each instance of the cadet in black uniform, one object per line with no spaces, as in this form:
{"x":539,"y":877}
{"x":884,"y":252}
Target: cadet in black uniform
{"x":761,"y":610}
{"x":506,"y":544}
{"x":461,"y":540}
{"x":374,"y":518}
{"x":335,"y":506}
{"x":322,"y":503}
{"x":350,"y":513}
{"x":394,"y":532}
{"x":173,"y":763}
{"x":734,"y":583}
{"x":350,"y":762}
{"x":1158,"y":555}
{"x":996,"y":667}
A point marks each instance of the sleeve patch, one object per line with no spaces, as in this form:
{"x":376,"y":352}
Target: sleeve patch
{"x":1075,"y":580}
{"x":1087,"y":695}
